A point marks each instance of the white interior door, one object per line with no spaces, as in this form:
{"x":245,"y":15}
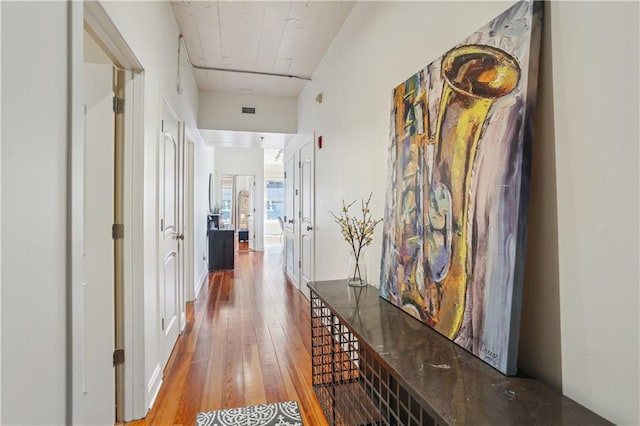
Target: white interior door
{"x":182,"y":299}
{"x":98,"y":381}
{"x":307,"y":218}
{"x":170,"y":274}
{"x":290,"y":245}
{"x":251,"y":182}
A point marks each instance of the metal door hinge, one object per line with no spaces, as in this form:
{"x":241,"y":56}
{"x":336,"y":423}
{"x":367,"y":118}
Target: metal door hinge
{"x":299,"y":164}
{"x":118,"y":105}
{"x":162,"y":125}
{"x":118,"y":357}
{"x":162,"y":324}
{"x":161,"y":225}
{"x":285,"y":175}
{"x":299,"y":263}
{"x":117,"y":231}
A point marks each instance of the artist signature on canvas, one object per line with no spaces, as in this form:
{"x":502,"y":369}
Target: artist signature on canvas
{"x":489,"y":353}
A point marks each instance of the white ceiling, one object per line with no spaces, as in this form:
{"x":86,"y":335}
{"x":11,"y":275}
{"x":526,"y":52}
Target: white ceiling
{"x":283,"y":37}
{"x":274,"y":157}
{"x":232,"y":139}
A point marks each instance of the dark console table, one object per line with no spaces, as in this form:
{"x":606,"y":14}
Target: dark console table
{"x":374,"y":364}
{"x":221,"y":249}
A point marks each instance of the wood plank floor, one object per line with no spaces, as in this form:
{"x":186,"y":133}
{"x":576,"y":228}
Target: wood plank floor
{"x":247,"y":341}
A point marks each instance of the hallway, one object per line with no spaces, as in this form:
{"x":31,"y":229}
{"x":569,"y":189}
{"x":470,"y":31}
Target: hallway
{"x":247,"y":341}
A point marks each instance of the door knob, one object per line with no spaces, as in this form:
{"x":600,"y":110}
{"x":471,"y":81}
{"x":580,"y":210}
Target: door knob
{"x":309,"y":228}
{"x":180,"y":236}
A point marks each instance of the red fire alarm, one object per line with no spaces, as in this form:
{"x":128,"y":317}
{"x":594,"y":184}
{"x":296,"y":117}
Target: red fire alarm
{"x":320,"y":142}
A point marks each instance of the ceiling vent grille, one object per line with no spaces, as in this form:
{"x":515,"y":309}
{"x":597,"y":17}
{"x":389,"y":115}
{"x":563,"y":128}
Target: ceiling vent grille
{"x":248,"y":110}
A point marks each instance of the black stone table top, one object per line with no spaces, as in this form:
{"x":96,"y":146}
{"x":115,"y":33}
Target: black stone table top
{"x":452,"y":384}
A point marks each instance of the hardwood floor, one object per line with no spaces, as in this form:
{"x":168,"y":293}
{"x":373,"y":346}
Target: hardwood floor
{"x":247,"y":342}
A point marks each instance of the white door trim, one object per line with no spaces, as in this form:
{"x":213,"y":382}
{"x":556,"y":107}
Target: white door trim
{"x":94,"y":17}
{"x":189,"y":237}
{"x":251,"y":223}
{"x":292,"y":150}
{"x":75,"y":208}
{"x":290,"y":254}
{"x":303,"y":232}
{"x":182,"y":211}
{"x":105,"y":32}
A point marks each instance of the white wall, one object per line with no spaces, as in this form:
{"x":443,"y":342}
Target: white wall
{"x":152,"y":34}
{"x":366,"y":60}
{"x":273,"y":171}
{"x":0,"y":218}
{"x":595,"y":99}
{"x":592,"y":136}
{"x":203,"y":165}
{"x":244,"y":161}
{"x":223,"y":111}
{"x":34,"y":229}
{"x":34,"y":184}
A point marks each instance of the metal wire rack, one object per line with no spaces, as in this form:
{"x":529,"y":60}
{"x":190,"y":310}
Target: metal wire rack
{"x":352,"y":385}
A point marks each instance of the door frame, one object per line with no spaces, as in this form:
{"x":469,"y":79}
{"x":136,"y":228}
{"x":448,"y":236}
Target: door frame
{"x":189,"y":231}
{"x":102,"y":125}
{"x":93,"y":17}
{"x":290,"y":235}
{"x":221,"y":177}
{"x":301,"y":284}
{"x":292,"y":150}
{"x":252,"y":207}
{"x":182,"y":222}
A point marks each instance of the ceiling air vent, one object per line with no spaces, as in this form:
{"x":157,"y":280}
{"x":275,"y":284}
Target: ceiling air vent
{"x":248,"y":110}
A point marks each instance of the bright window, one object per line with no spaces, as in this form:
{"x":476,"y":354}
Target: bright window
{"x":274,"y":199}
{"x":226,"y":199}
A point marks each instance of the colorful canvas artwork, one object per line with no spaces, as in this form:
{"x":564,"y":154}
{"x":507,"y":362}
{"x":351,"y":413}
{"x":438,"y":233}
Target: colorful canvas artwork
{"x":458,"y":187}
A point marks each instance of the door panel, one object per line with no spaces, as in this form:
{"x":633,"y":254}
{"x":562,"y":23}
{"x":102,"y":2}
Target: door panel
{"x":289,"y":195}
{"x":169,"y":292}
{"x":98,"y":251}
{"x":306,"y":216}
{"x":170,"y":173}
{"x":170,"y":274}
{"x":290,"y":246}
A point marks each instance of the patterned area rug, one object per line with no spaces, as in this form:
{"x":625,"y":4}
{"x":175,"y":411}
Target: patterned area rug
{"x":278,"y":414}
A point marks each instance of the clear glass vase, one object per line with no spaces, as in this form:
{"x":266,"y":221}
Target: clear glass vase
{"x":357,"y":269}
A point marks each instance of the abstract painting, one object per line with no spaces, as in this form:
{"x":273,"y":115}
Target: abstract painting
{"x":458,"y":187}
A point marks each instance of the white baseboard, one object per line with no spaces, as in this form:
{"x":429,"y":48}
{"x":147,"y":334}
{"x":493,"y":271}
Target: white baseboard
{"x":292,"y":280}
{"x":153,"y":386}
{"x":201,"y":281}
